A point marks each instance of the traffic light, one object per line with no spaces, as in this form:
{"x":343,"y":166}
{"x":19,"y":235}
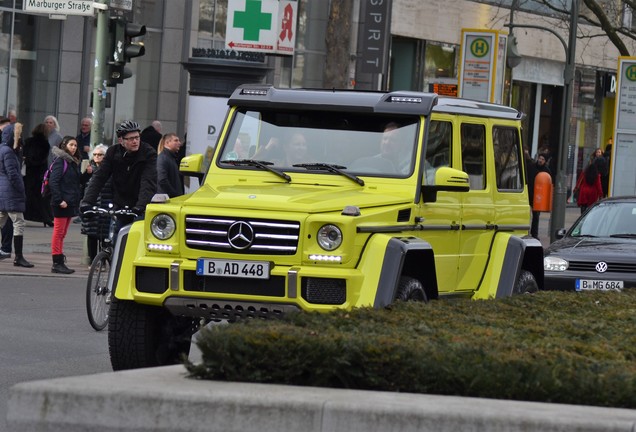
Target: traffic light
{"x":122,"y":34}
{"x":116,"y":74}
{"x":122,"y":49}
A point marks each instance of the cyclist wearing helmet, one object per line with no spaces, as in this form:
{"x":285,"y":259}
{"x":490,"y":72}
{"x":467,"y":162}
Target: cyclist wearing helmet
{"x":133,"y":167}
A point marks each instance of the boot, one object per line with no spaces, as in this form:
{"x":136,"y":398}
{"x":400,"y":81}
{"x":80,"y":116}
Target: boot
{"x":59,"y":266}
{"x":19,"y":260}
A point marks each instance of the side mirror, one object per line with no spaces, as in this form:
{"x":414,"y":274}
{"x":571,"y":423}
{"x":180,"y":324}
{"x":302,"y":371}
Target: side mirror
{"x":192,"y":166}
{"x":448,"y":180}
{"x":560,"y":233}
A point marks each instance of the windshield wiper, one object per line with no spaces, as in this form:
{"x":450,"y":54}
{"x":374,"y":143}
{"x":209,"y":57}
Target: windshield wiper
{"x":261,"y":164}
{"x":625,"y":235}
{"x":337,"y":169}
{"x":585,"y":235}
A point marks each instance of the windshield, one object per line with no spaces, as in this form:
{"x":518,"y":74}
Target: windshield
{"x":359,"y":144}
{"x":606,"y":220}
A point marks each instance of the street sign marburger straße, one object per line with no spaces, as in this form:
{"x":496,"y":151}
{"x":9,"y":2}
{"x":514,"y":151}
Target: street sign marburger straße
{"x":63,"y":7}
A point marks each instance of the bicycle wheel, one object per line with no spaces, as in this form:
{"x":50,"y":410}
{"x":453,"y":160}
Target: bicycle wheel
{"x":97,"y":292}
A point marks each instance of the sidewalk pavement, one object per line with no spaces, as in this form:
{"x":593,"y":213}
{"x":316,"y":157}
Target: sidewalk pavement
{"x":37,"y":250}
{"x":571,"y":215}
{"x":37,"y":247}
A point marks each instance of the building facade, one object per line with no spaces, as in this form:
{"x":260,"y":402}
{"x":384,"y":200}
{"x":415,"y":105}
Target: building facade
{"x":46,"y":66}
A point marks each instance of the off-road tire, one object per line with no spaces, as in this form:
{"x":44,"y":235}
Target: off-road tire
{"x":410,"y":289}
{"x":141,"y":336}
{"x":526,"y":284}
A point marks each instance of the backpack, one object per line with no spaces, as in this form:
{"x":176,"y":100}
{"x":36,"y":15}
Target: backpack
{"x":45,"y":190}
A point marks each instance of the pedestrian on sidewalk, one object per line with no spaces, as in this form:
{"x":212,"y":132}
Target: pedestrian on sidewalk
{"x":168,"y":179}
{"x":12,"y":197}
{"x":64,"y":182}
{"x":97,"y":227}
{"x":589,"y":187}
{"x":36,"y":155}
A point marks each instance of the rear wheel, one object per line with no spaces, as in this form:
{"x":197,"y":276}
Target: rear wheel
{"x":411,"y":289}
{"x":97,"y":292}
{"x":141,"y":336}
{"x":526,"y":284}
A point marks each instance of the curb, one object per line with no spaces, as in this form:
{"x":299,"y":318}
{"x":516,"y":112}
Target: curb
{"x":163,"y":399}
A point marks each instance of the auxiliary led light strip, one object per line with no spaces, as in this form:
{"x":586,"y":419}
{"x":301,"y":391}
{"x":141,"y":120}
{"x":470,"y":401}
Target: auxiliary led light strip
{"x":326,"y":258}
{"x":160,"y":247}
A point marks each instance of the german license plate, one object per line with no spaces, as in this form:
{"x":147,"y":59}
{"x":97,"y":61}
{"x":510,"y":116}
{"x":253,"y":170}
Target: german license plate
{"x":232,"y":268}
{"x":598,"y":285}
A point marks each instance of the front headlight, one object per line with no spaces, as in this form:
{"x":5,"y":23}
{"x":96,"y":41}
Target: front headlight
{"x":554,"y":264}
{"x":329,"y":237}
{"x":162,"y":226}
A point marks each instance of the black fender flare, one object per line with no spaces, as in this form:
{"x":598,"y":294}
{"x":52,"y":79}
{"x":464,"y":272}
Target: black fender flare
{"x":522,"y":253}
{"x":406,"y":256}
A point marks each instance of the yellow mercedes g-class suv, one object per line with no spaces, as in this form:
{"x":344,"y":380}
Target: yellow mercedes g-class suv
{"x":317,"y":200}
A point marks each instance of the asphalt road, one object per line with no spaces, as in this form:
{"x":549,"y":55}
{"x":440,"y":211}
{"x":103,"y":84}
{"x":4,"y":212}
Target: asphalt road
{"x":44,"y":333}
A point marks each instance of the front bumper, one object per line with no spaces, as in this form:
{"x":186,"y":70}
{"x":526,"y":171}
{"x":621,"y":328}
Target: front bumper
{"x":566,"y":280}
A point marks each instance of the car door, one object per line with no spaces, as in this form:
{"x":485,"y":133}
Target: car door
{"x":477,"y":207}
{"x":441,"y":218}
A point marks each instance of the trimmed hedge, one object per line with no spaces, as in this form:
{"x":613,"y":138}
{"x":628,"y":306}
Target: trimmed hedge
{"x":562,"y":347}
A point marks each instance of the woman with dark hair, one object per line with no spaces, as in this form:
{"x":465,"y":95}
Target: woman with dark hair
{"x":65,"y":197}
{"x":589,"y":187}
{"x":36,"y":153}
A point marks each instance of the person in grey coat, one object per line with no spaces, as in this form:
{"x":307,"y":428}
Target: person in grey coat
{"x":168,"y":178}
{"x":12,"y":197}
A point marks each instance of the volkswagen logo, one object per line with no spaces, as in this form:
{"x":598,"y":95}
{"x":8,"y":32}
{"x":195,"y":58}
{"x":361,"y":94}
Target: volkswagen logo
{"x":601,"y":267}
{"x":240,"y":235}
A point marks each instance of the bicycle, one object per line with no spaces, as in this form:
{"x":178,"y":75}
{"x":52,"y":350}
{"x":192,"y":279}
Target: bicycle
{"x":98,"y":292}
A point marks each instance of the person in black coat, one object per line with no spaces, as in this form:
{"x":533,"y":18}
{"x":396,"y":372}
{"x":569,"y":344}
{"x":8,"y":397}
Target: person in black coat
{"x":36,"y":155}
{"x":64,"y":182}
{"x":12,"y":197}
{"x":133,"y":167}
{"x":168,"y":178}
{"x":152,"y":134}
{"x":96,"y":228}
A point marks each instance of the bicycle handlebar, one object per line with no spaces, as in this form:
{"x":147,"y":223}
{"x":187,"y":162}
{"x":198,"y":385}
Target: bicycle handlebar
{"x":110,"y":211}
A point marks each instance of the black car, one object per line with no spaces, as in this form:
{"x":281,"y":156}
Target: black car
{"x":598,"y":252}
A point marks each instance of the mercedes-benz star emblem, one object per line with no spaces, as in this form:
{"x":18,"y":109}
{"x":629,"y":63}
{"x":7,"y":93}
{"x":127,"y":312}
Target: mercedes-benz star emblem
{"x":240,"y":235}
{"x":601,"y":267}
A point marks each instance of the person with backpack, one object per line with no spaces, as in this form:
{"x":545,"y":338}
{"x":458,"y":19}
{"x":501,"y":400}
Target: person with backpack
{"x":12,"y":197}
{"x":64,"y":184}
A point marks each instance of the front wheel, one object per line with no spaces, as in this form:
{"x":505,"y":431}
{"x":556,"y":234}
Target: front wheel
{"x":97,"y":292}
{"x":141,"y":336}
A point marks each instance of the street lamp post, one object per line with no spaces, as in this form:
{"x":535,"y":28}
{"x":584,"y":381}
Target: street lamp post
{"x":559,"y":198}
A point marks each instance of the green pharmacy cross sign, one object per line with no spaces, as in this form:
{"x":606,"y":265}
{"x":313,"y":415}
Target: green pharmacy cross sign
{"x":267,"y":26}
{"x":252,"y":20}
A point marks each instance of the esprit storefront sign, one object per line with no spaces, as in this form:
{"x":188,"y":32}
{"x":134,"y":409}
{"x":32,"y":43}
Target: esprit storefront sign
{"x":60,"y":7}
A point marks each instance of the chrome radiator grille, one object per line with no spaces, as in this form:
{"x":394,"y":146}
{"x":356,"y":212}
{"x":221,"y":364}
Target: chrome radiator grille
{"x":246,"y":236}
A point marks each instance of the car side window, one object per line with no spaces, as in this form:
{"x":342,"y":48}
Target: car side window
{"x":507,"y":150}
{"x":438,"y":149}
{"x":473,"y":143}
